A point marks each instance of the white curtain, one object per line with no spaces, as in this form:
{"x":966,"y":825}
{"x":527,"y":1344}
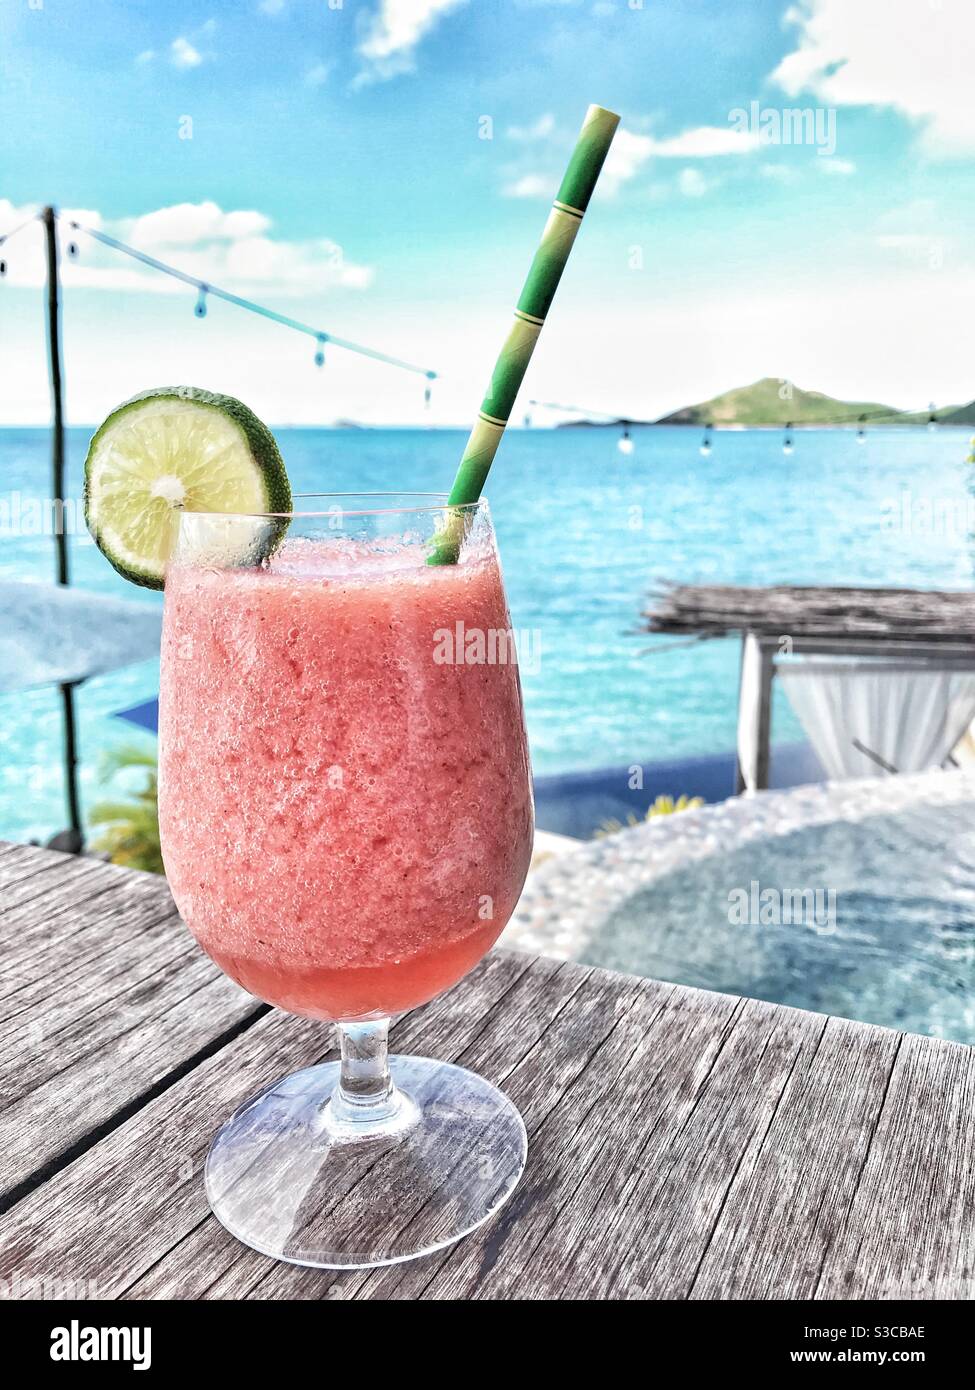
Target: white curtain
{"x":870,"y":718}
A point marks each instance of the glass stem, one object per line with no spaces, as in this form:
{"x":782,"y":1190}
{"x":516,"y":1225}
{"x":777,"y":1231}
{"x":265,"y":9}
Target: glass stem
{"x":366,"y":1093}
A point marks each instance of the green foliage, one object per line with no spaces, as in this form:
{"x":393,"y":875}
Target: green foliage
{"x":131,"y":835}
{"x":663,"y":806}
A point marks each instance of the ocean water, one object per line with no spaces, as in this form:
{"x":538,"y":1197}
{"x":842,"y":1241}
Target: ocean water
{"x":586,"y":534}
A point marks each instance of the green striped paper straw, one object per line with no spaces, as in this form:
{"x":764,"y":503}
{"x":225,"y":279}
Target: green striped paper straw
{"x":560,"y":232}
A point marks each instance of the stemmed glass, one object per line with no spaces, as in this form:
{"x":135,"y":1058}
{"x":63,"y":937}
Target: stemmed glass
{"x":346,"y":819}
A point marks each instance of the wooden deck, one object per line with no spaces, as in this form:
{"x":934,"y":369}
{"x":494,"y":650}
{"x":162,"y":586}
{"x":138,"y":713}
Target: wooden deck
{"x":684,"y":1145}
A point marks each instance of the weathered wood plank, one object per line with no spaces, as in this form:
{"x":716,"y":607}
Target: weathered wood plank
{"x":605,"y":1130}
{"x":789,"y":1197}
{"x":28,"y":879}
{"x":442,"y":1029}
{"x":683,"y":1144}
{"x":910,"y":1231}
{"x":557,"y":1016}
{"x":114,"y":1213}
{"x":62,"y":926}
{"x":104,"y":996}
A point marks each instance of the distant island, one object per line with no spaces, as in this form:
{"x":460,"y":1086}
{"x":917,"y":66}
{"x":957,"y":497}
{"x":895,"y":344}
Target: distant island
{"x":762,"y":404}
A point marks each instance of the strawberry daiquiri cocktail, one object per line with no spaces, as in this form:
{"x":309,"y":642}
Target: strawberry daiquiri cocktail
{"x":345,"y":805}
{"x":346,"y":821}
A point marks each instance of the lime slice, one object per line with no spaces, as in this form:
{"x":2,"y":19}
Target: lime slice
{"x":178,"y":448}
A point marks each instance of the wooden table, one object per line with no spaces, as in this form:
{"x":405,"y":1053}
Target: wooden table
{"x":683,"y":1144}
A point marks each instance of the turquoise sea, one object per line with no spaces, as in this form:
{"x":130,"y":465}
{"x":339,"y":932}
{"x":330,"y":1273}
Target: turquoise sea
{"x":585,"y":533}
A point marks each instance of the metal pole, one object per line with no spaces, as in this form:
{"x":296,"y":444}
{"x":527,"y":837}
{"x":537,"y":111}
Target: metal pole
{"x":73,"y":839}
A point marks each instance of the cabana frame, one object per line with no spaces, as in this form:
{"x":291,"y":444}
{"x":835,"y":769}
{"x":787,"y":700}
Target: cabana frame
{"x":900,"y":629}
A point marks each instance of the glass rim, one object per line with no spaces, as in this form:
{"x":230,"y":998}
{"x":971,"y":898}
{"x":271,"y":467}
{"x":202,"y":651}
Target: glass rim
{"x":439,"y":505}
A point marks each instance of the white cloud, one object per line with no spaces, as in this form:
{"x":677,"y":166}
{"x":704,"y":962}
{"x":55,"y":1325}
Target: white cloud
{"x":705,"y":142}
{"x":232,"y":249}
{"x":914,"y":233}
{"x":836,"y":166}
{"x":780,"y":173}
{"x":627,"y":154}
{"x":915,"y":59}
{"x":531,"y":186}
{"x":188,"y":224}
{"x":146,"y":56}
{"x":317,"y":75}
{"x":271,"y":7}
{"x":919,"y":215}
{"x":538,"y":130}
{"x":183,"y":55}
{"x":904,"y":241}
{"x":393,"y":33}
{"x":631,"y":150}
{"x":692,"y":183}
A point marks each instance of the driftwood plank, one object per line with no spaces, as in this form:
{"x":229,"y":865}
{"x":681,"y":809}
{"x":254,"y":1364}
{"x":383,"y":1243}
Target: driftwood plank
{"x":713,"y":610}
{"x":103,"y":996}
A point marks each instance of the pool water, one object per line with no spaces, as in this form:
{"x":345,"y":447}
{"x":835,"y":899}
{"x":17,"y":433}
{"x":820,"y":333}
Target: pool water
{"x":897,"y":948}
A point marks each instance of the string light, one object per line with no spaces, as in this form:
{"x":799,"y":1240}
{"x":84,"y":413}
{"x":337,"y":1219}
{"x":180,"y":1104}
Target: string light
{"x":204,"y":290}
{"x":625,"y":443}
{"x":428,"y":390}
{"x":8,"y":236}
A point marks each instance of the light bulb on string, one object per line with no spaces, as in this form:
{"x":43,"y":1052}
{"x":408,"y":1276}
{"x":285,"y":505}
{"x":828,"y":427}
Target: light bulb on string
{"x":201,"y":303}
{"x":932,"y":419}
{"x":73,"y":250}
{"x":625,"y":443}
{"x":706,"y":442}
{"x":527,"y":421}
{"x":787,"y":440}
{"x":428,"y":390}
{"x":321,"y":339}
{"x":861,"y":431}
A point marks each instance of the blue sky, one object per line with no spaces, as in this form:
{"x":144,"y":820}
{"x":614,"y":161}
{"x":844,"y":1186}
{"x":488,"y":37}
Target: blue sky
{"x":336,"y":169}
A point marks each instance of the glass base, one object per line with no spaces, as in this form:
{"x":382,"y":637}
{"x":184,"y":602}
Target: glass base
{"x":300,"y":1179}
